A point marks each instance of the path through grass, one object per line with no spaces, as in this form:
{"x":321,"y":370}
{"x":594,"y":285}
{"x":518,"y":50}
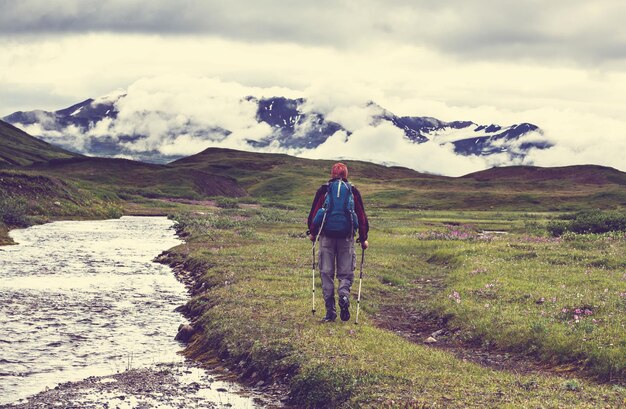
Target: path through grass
{"x":252,"y":301}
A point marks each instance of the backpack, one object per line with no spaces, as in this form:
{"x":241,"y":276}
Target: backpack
{"x":340,"y":218}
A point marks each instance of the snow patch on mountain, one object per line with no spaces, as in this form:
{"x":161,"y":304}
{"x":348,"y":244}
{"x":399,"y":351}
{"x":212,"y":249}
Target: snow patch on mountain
{"x":162,"y":121}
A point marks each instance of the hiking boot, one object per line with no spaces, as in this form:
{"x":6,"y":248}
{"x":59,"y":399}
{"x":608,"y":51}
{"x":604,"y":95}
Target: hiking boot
{"x":331,"y":316}
{"x":331,"y":312}
{"x":344,"y":306}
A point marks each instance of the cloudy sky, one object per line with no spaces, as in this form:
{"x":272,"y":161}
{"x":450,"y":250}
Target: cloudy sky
{"x":558,"y":64}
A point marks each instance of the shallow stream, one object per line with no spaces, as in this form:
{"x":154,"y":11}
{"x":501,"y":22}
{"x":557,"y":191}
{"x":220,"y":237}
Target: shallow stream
{"x":80,"y":299}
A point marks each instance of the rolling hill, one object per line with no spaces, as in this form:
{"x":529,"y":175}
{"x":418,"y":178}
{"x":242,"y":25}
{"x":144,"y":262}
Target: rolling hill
{"x":131,"y":178}
{"x":286,"y":178}
{"x":17,"y":148}
{"x":282,"y":178}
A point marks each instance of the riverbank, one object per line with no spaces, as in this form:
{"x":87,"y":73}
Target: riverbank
{"x":250,"y":270}
{"x":105,"y":308}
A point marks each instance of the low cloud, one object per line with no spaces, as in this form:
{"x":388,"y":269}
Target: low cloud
{"x":180,"y":115}
{"x":387,"y":144}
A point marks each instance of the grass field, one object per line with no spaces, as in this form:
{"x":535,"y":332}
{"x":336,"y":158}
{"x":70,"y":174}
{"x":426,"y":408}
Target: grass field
{"x":523,"y":319}
{"x":505,"y":292}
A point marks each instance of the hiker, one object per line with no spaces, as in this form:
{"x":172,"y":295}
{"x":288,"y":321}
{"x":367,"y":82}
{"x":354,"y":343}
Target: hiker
{"x":338,"y":210}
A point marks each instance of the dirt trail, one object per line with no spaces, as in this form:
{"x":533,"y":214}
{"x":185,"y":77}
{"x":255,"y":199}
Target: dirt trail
{"x":405,"y":318}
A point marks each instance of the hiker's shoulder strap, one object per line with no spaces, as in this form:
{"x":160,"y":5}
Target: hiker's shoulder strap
{"x":349,"y":185}
{"x":318,"y":202}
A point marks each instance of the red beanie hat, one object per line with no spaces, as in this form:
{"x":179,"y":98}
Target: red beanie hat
{"x":339,"y":171}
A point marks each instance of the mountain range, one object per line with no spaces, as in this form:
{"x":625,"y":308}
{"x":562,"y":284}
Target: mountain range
{"x":280,"y":178}
{"x":91,"y":127}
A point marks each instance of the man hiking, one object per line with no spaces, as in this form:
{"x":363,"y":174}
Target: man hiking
{"x":338,"y":211}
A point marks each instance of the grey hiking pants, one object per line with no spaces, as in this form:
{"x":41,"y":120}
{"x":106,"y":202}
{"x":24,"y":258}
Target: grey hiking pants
{"x":336,"y":256}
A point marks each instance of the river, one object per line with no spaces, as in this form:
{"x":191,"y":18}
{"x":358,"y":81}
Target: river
{"x":83,"y":298}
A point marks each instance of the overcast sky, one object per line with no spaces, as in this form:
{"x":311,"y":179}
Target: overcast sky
{"x":560,"y":64}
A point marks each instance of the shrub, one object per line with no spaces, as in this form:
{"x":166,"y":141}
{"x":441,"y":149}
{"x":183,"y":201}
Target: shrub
{"x":226,"y":203}
{"x":13,"y":212}
{"x":556,"y":227}
{"x":588,"y":221}
{"x":278,"y":205}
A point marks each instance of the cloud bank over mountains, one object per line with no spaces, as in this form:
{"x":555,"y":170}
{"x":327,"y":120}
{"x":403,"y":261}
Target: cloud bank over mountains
{"x":185,"y":115}
{"x":559,"y":65}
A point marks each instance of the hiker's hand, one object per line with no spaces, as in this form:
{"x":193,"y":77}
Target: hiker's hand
{"x":364,"y":244}
{"x":311,"y":237}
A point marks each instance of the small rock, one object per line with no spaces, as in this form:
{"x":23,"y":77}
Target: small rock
{"x":437,"y":333}
{"x":57,"y":203}
{"x":185,"y":331}
{"x":430,"y":340}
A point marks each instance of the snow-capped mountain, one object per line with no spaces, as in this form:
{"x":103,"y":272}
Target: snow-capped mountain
{"x":111,"y":126}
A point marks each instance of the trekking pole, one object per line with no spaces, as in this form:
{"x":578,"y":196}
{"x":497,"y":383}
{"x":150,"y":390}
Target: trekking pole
{"x":313,"y":277}
{"x":313,"y":264}
{"x":358,"y":300}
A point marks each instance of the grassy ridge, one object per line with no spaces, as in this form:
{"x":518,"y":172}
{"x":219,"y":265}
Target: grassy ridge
{"x":252,"y":301}
{"x":17,"y":148}
{"x":130,"y":179}
{"x":286,"y":178}
{"x":35,"y":198}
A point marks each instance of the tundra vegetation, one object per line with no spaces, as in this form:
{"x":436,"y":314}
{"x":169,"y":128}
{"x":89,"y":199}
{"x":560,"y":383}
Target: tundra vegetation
{"x":496,"y":260}
{"x":556,"y":301}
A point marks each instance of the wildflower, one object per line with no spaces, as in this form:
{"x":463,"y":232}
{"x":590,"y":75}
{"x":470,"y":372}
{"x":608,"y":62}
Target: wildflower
{"x":489,"y":285}
{"x":606,"y":290}
{"x":455,"y":296}
{"x":576,"y":318}
{"x":487,"y":305}
{"x":553,"y":299}
{"x":588,"y":311}
{"x":564,"y":310}
{"x":578,"y":311}
{"x":622,"y":294}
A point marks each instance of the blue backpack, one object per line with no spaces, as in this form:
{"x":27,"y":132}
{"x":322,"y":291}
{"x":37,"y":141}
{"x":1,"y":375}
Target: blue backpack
{"x":340,"y":219}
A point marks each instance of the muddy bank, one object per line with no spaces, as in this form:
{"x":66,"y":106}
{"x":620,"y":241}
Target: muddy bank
{"x":211,"y":352}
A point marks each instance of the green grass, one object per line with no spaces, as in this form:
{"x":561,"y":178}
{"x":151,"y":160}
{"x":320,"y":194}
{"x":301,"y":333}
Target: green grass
{"x":256,"y":310}
{"x":283,"y":178}
{"x":254,"y":260}
{"x":17,"y":148}
{"x":560,"y":300}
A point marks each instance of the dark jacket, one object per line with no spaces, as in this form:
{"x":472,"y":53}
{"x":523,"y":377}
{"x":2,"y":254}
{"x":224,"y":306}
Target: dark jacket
{"x":359,"y":209}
